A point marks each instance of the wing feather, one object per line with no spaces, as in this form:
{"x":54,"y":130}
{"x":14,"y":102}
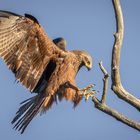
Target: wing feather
{"x":25,"y":48}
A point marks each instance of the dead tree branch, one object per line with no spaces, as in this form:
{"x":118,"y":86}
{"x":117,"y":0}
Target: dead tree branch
{"x":120,"y":117}
{"x":103,"y":107}
{"x":116,"y":79}
{"x":115,"y":68}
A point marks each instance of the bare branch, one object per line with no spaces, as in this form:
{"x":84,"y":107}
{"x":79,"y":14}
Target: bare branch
{"x":103,"y":107}
{"x":115,"y":68}
{"x":116,"y":80}
{"x":115,"y":114}
{"x":105,"y":82}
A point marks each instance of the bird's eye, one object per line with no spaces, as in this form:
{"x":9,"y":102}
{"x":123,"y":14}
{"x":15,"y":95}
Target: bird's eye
{"x":60,"y":44}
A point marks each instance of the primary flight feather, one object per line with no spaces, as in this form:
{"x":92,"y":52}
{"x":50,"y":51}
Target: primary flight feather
{"x":42,"y":65}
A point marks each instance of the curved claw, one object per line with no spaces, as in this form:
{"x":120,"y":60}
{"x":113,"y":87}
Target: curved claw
{"x":89,"y":87}
{"x":87,"y":91}
{"x":88,"y":94}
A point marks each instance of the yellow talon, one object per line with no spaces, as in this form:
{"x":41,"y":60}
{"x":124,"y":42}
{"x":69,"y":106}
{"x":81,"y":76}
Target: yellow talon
{"x":87,"y":88}
{"x":87,"y":92}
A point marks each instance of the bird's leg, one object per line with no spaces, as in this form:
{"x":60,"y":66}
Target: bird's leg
{"x":68,"y":84}
{"x":86,"y":88}
{"x":87,"y":91}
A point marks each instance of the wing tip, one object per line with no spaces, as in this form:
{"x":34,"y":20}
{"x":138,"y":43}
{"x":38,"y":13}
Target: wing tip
{"x":32,"y":18}
{"x":8,"y":13}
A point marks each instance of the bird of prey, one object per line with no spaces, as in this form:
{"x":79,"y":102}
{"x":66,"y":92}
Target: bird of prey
{"x":42,"y":65}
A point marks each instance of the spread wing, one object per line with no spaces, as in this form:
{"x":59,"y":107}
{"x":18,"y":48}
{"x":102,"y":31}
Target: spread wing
{"x":25,"y":48}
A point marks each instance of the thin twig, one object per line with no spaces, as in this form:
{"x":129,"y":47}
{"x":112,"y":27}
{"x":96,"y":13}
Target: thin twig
{"x":105,"y":82}
{"x":104,"y":71}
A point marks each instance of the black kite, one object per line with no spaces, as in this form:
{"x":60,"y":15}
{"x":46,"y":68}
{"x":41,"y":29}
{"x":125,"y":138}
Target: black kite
{"x":43,"y":66}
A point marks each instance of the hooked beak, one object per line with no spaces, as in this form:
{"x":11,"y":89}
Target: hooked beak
{"x":89,"y":67}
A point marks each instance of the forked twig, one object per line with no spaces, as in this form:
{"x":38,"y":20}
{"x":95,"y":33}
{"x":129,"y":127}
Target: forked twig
{"x":101,"y":105}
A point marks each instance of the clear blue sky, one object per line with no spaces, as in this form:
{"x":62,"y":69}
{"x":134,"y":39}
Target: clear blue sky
{"x":86,"y":25}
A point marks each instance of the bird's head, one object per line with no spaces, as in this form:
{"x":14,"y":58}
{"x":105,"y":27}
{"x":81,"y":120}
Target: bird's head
{"x":60,"y":42}
{"x":86,"y":60}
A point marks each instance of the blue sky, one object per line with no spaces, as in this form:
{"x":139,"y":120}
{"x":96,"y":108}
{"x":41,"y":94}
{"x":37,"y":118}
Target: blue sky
{"x":86,"y":25}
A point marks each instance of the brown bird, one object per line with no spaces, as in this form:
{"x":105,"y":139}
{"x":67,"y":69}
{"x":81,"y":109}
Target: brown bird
{"x":43,"y":66}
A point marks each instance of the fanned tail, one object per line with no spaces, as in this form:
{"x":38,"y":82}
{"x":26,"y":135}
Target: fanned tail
{"x":29,"y":109}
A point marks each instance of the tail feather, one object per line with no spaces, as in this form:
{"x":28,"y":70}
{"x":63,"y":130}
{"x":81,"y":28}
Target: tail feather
{"x":48,"y":103}
{"x":23,"y":108}
{"x":29,"y":109}
{"x":28,"y":117}
{"x":39,"y":103}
